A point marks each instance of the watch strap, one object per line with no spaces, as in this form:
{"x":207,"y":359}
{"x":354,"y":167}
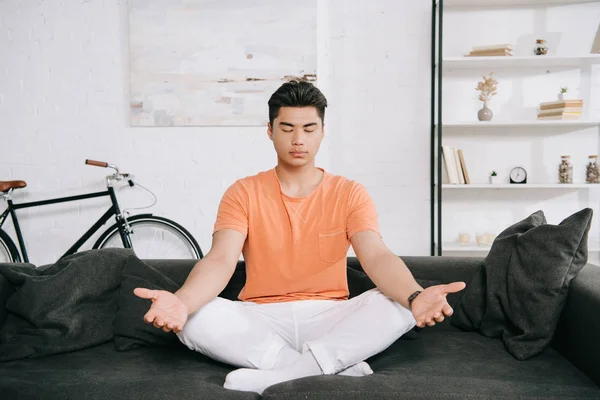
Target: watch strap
{"x":412,"y":297}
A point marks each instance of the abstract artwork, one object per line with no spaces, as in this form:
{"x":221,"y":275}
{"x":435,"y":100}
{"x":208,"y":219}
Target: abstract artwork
{"x":216,"y":62}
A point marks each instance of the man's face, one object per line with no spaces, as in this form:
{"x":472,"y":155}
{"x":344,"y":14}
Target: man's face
{"x":296,"y":133}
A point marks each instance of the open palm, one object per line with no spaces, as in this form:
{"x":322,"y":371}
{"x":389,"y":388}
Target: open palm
{"x":431,"y":306}
{"x":167,"y":311}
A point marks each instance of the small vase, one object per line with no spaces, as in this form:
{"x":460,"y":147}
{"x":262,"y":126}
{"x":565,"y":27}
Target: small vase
{"x":485,"y":114}
{"x":561,"y":96}
{"x":493,"y":179}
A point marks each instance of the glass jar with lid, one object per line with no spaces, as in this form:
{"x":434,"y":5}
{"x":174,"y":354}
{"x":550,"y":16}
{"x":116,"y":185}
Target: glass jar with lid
{"x":565,"y":170}
{"x":540,"y":48}
{"x":592,"y":171}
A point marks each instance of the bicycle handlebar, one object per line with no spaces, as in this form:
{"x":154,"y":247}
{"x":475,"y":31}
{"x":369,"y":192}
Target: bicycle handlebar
{"x":97,"y":163}
{"x":116,"y":175}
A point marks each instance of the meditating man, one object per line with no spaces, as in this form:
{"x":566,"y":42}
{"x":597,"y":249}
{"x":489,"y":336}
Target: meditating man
{"x":294,"y":225}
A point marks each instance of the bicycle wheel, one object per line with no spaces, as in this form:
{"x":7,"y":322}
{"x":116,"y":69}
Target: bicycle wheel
{"x":154,"y":238}
{"x":8,"y":250}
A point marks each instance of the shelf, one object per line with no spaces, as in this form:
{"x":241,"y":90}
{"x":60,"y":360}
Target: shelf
{"x":523,"y":124}
{"x":521,"y":186}
{"x":472,"y":248}
{"x":519,"y":61}
{"x":506,"y":3}
{"x":467,"y":247}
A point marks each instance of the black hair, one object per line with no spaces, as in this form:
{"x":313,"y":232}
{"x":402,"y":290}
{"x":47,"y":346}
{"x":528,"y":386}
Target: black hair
{"x":297,"y":93}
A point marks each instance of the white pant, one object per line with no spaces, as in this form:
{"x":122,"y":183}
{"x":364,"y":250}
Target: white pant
{"x":338,"y":333}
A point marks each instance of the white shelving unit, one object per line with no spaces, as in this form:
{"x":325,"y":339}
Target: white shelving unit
{"x":514,"y":130}
{"x":519,"y":61}
{"x":509,"y":3}
{"x":524,"y":124}
{"x":527,"y":186}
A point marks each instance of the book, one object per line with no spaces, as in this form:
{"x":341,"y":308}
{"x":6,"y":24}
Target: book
{"x":572,"y":110}
{"x":559,"y":117}
{"x":489,"y":53}
{"x":578,"y":103}
{"x":503,"y":46}
{"x":464,"y":166}
{"x":596,"y":43}
{"x":448,"y":155}
{"x":459,"y":171}
{"x":557,"y":113}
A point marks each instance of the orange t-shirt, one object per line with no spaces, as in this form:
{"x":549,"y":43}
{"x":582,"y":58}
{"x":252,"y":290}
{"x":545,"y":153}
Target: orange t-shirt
{"x":295,"y":248}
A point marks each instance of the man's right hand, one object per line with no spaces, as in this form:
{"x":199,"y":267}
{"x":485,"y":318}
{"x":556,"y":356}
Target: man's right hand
{"x":167,"y":311}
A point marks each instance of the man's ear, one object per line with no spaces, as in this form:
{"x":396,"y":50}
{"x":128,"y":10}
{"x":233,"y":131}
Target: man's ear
{"x":269,"y":130}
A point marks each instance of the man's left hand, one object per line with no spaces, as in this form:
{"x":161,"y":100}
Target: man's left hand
{"x":431,"y":306}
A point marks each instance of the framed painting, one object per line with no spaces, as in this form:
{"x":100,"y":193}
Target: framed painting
{"x":216,"y":62}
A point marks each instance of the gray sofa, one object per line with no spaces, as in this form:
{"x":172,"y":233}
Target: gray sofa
{"x":437,"y":362}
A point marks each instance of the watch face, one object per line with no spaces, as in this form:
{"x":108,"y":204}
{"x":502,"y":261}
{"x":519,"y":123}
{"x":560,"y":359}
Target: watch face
{"x":518,"y":174}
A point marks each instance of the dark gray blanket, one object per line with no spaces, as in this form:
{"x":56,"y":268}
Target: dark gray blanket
{"x":68,"y":306}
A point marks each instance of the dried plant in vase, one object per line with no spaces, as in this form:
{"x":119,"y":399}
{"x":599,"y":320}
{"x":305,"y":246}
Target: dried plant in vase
{"x":486,"y":88}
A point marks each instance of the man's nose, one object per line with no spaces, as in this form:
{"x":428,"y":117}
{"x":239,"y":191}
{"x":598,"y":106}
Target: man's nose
{"x":297,"y":139}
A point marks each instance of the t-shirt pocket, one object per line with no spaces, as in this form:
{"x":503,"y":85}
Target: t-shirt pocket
{"x":333,"y":245}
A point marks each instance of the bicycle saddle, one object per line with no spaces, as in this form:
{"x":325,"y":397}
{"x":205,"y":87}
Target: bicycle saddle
{"x":6,"y":185}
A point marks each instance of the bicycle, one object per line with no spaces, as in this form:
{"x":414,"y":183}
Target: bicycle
{"x":150,"y":236}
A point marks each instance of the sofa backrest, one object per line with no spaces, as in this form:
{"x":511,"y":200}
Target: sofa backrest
{"x":439,"y":269}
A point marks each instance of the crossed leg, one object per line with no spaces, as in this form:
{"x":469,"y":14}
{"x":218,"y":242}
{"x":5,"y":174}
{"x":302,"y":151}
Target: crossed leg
{"x":264,"y":340}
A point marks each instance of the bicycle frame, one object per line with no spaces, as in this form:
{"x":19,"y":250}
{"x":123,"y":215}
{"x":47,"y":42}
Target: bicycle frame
{"x":113,"y":210}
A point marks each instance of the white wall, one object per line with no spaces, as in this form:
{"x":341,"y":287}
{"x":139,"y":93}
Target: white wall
{"x":63,"y":98}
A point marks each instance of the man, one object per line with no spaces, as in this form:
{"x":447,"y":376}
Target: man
{"x":294,"y":225}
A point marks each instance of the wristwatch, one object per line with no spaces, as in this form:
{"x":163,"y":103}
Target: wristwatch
{"x":412,"y":297}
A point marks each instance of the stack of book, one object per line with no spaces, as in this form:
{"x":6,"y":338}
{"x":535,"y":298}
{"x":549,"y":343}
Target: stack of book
{"x":491,"y":50}
{"x":561,"y":109}
{"x":456,"y":168}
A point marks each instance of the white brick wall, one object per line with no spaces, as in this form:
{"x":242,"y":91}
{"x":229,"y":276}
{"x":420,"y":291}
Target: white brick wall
{"x":63,"y":98}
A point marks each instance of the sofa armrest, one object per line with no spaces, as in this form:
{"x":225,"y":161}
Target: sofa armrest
{"x":7,"y":289}
{"x":577,"y":336}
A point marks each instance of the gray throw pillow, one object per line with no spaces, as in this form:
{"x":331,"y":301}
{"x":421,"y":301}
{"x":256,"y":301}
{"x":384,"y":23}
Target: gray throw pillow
{"x":519,"y":292}
{"x":130,"y":329}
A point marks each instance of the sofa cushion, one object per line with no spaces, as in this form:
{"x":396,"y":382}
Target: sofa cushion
{"x":101,"y":372}
{"x":520,"y":291}
{"x":448,"y":365}
{"x":458,"y":365}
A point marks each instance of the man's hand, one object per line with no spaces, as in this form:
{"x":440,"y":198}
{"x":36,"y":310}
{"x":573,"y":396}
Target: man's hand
{"x":167,"y":311}
{"x":430,"y":306}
